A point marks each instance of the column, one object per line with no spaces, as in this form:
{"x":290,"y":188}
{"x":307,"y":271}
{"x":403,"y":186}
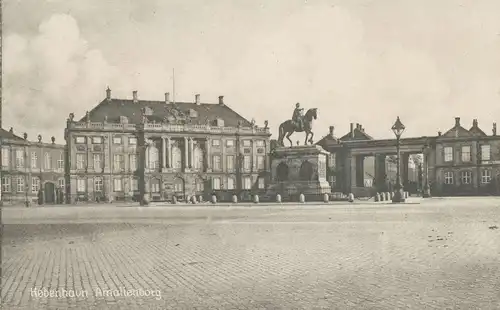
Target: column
{"x":405,"y":157}
{"x":169,"y":152}
{"x":207,"y":154}
{"x":141,"y":162}
{"x":350,"y":172}
{"x":360,"y":171}
{"x":186,"y":153}
{"x":191,"y":152}
{"x":380,"y":172}
{"x":164,"y":163}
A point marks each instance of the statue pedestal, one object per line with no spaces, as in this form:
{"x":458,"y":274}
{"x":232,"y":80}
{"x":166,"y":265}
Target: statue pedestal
{"x":299,"y":170}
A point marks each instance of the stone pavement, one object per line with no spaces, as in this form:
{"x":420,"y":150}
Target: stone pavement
{"x":441,"y":254}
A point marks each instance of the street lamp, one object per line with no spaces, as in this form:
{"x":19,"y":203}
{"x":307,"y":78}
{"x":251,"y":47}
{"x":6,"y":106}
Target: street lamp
{"x":426,"y":193}
{"x":398,"y":129}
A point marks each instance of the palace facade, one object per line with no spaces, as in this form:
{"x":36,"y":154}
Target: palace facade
{"x":124,"y":149}
{"x":31,"y":171}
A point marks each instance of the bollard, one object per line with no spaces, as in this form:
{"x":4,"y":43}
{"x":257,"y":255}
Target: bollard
{"x":278,"y":198}
{"x":200,"y":198}
{"x":214,"y":199}
{"x":325,"y":198}
{"x":235,"y":199}
{"x":256,"y":199}
{"x":351,"y":197}
{"x":174,"y":200}
{"x":302,"y":198}
{"x":377,"y":197}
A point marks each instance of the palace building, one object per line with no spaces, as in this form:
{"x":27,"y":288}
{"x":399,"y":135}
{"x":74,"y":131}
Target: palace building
{"x":124,"y":149}
{"x":31,"y":171}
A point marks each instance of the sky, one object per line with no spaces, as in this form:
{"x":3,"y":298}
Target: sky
{"x":357,"y":61}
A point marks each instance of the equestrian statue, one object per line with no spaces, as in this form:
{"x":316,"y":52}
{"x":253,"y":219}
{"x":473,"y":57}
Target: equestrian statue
{"x":298,"y":123}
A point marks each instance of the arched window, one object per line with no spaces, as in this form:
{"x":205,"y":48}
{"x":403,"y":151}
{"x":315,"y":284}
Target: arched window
{"x":282,"y":172}
{"x":153,"y":157}
{"x":306,"y":171}
{"x":198,"y":158}
{"x":176,"y":156}
{"x":48,"y":161}
{"x":178,"y":186}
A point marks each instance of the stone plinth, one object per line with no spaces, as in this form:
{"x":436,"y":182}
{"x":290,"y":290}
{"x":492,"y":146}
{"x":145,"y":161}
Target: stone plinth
{"x":299,"y":170}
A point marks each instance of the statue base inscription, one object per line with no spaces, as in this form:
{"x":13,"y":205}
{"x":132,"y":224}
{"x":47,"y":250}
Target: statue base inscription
{"x":299,"y":170}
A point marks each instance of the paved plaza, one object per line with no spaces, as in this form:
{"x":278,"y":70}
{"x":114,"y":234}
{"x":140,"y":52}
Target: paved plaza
{"x":439,"y":254}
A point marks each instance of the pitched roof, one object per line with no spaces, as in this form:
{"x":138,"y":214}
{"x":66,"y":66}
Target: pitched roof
{"x":359,"y":134}
{"x":204,"y":112}
{"x":456,"y":131}
{"x":4,"y":134}
{"x":327,"y":140}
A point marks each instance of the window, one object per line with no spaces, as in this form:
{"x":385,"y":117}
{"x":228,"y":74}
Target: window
{"x":215,"y":142}
{"x":153,"y":158}
{"x":135,"y":184}
{"x":247,"y":162}
{"x":155,"y":185}
{"x":97,"y":162}
{"x":198,"y":158}
{"x":230,"y":183}
{"x":260,"y":143}
{"x":176,"y":157}
{"x":80,"y":140}
{"x":117,"y":185}
{"x":96,"y":140}
{"x":48,"y":161}
{"x":98,"y":184}
{"x":133,"y":162}
{"x":117,"y":140}
{"x":216,"y":162}
{"x":247,"y":143}
{"x":200,"y":186}
{"x":448,"y":154}
{"x":262,"y":183}
{"x":229,"y":143}
{"x":6,"y":184}
{"x":5,"y":157}
{"x":448,"y":177}
{"x":19,"y":158}
{"x":132,"y":141}
{"x":81,"y":185}
{"x":486,"y":176}
{"x":466,"y":177}
{"x":20,"y":184}
{"x":34,"y":160}
{"x":178,"y":185}
{"x":60,"y":161}
{"x":466,"y":154}
{"x":331,"y":159}
{"x":118,"y":161}
{"x":61,"y":183}
{"x":80,"y":161}
{"x":485,"y":152}
{"x":35,"y":185}
{"x":230,"y":162}
{"x":247,"y":183}
{"x":261,"y":163}
{"x":216,"y":183}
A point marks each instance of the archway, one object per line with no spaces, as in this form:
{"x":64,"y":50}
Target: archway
{"x":179,"y":188}
{"x":49,"y":189}
{"x":306,"y":171}
{"x":282,"y":172}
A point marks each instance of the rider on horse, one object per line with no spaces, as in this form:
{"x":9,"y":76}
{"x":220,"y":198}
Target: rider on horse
{"x":297,"y":117}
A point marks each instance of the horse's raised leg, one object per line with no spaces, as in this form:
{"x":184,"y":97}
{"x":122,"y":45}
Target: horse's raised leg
{"x":311,"y":139}
{"x":288,"y":137}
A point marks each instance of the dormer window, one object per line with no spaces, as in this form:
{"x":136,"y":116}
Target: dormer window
{"x":193,"y":113}
{"x":219,"y":122}
{"x":148,"y":111}
{"x":123,"y":120}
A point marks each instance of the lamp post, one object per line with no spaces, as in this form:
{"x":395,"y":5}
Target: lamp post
{"x":398,"y":129}
{"x":426,"y":192}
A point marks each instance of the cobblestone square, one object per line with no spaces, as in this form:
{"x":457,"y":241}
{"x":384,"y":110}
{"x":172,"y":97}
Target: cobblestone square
{"x":440,"y":254}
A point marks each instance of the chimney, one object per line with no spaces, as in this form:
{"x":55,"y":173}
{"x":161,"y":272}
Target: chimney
{"x":352,"y":130}
{"x":11,"y":130}
{"x":167,"y":97}
{"x":439,"y":133}
{"x":221,"y":100}
{"x":108,"y":94}
{"x":197,"y":99}
{"x":457,"y":121}
{"x":331,"y":130}
{"x":494,"y":129}
{"x":358,"y":126}
{"x":474,"y":123}
{"x":53,"y":139}
{"x":25,"y":136}
{"x":134,"y":96}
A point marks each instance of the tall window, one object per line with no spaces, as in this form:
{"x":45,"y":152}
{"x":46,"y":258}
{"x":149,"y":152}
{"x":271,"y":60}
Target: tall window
{"x":153,"y":158}
{"x":155,"y":185}
{"x":132,"y":162}
{"x":230,"y":183}
{"x":247,"y":183}
{"x":97,"y":159}
{"x":176,"y":157}
{"x":81,"y":185}
{"x":178,"y":185}
{"x":6,"y":184}
{"x":98,"y":184}
{"x":61,"y":183}
{"x":134,"y":184}
{"x":35,"y":185}
{"x":48,"y":161}
{"x":262,"y":183}
{"x":198,"y":157}
{"x":216,"y":163}
{"x":215,"y":183}
{"x":486,"y":176}
{"x":466,"y":177}
{"x":466,"y":153}
{"x":20,"y":184}
{"x":485,"y":152}
{"x":34,"y":160}
{"x":19,"y":158}
{"x":247,"y":162}
{"x":448,"y":154}
{"x":118,"y":162}
{"x":200,"y":186}
{"x":5,"y":157}
{"x":230,"y":162}
{"x":448,"y":177}
{"x":117,"y":185}
{"x":80,"y":161}
{"x":261,"y":162}
{"x":60,"y":161}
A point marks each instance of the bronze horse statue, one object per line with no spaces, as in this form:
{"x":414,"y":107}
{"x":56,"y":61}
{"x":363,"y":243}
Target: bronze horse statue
{"x":287,"y":128}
